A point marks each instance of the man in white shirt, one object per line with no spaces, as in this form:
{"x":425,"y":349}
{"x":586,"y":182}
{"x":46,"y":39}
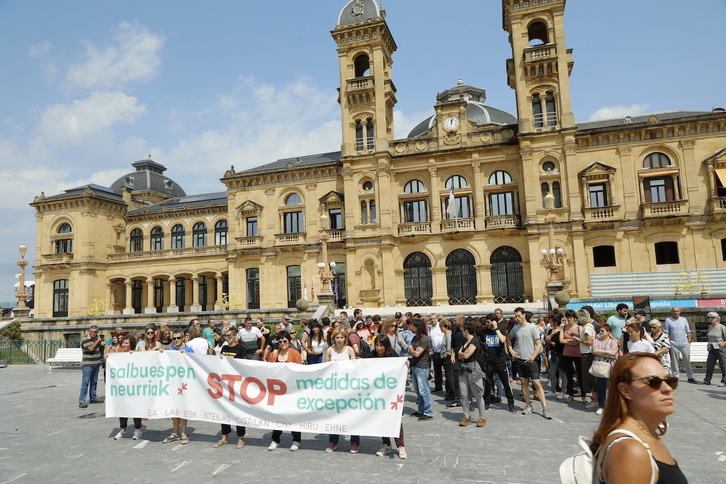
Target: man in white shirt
{"x":436,"y":336}
{"x":251,"y":338}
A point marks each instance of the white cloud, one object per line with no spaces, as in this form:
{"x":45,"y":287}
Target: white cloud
{"x":40,"y":49}
{"x":66,"y":123}
{"x":612,"y":112}
{"x":403,"y":123}
{"x":134,"y":57}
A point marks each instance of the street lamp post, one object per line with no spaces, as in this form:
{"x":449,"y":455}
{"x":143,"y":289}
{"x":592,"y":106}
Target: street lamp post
{"x":22,"y":310}
{"x":552,"y":257}
{"x":326,"y":296}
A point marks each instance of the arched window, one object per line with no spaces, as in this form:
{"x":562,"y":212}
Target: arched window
{"x":136,"y":241}
{"x":500,"y":177}
{"x":157,"y":238}
{"x":293,"y":199}
{"x":220,"y":232}
{"x":292,"y":220}
{"x":414,"y":186}
{"x":462,"y":202}
{"x":656,"y":160}
{"x":64,"y":245}
{"x":199,"y":234}
{"x":537,"y":111}
{"x":537,"y":33}
{"x":417,"y":281}
{"x":456,"y":182}
{"x":358,"y":135}
{"x":177,"y":237}
{"x":369,"y":134}
{"x":361,"y":65}
{"x":507,"y":275}
{"x":551,"y":109}
{"x":461,"y":277}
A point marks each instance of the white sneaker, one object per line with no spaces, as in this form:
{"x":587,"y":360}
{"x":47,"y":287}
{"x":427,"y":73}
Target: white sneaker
{"x":137,"y":434}
{"x":550,"y":394}
{"x":527,"y":409}
{"x":402,"y":453}
{"x":598,"y":411}
{"x":294,"y":446}
{"x":384,"y":450}
{"x":120,"y":435}
{"x":273,"y":445}
{"x":560,"y":396}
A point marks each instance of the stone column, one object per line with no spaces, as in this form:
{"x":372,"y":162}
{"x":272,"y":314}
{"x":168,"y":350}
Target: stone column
{"x":220,"y":279}
{"x":128,"y":309}
{"x":172,"y":308}
{"x":196,"y":307}
{"x":150,"y":308}
{"x":109,"y":309}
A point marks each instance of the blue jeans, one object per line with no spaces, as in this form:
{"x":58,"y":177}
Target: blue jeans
{"x":90,"y":378}
{"x":420,"y":379}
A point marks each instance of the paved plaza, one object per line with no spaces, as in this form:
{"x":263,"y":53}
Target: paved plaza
{"x":46,"y":437}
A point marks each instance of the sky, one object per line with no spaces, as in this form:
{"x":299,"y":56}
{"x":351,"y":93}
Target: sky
{"x":90,"y":86}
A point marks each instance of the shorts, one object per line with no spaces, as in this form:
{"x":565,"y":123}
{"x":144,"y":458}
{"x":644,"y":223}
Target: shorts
{"x":530,"y":371}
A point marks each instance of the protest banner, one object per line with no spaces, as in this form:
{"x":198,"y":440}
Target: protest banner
{"x":358,"y":397}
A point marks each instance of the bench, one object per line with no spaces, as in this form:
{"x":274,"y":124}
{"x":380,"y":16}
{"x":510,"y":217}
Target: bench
{"x":699,"y":353}
{"x":66,"y":356}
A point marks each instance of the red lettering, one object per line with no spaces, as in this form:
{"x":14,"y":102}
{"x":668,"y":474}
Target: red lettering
{"x":244,"y":394}
{"x":213,"y":381}
{"x":231,"y":379}
{"x":275,"y":388}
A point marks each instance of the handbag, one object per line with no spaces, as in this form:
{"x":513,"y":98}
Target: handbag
{"x":600,"y":369}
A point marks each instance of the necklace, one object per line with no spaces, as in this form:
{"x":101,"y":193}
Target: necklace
{"x":646,"y":431}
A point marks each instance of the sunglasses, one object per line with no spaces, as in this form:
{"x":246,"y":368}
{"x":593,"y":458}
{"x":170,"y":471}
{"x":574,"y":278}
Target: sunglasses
{"x":655,"y":382}
{"x":149,"y":332}
{"x":600,"y":330}
{"x":178,"y":337}
{"x":284,"y":341}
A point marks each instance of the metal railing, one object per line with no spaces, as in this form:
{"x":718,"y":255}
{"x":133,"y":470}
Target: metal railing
{"x":31,"y":351}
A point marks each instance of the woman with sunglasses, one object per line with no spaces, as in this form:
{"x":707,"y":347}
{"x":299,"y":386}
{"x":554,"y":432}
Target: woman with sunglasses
{"x":284,"y":354}
{"x":628,"y":442}
{"x":605,"y":348}
{"x":233,"y":349}
{"x":149,"y":341}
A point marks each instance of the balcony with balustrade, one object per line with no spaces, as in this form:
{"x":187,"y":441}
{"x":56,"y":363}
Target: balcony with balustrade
{"x":209,"y":250}
{"x":664,"y":209}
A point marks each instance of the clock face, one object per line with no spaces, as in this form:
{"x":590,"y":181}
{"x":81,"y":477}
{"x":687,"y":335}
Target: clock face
{"x":451,"y":123}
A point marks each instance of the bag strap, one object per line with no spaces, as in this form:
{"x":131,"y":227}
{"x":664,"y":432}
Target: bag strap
{"x":627,"y":435}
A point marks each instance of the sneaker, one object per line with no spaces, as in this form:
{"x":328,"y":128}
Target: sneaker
{"x":454,"y":404}
{"x":83,"y":405}
{"x":546,"y":413}
{"x":569,"y":398}
{"x":137,"y":434}
{"x":464,"y":422}
{"x":496,"y":400}
{"x":384,"y":450}
{"x":402,"y":453}
{"x":487,"y":407}
{"x":706,"y":382}
{"x":295,"y":445}
{"x":550,"y":394}
{"x":481,"y":422}
{"x":96,"y":400}
{"x":598,"y":411}
{"x":273,"y":445}
{"x":527,"y":409}
{"x":592,"y":405}
{"x":416,"y":414}
{"x":330,"y":448}
{"x":560,"y":396}
{"x":120,"y":435}
{"x":691,"y":380}
{"x":425,"y":417}
{"x":354,"y":448}
{"x":512,"y":409}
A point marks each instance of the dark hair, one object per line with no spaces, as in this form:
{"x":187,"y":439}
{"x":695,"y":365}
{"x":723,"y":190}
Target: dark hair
{"x":570,"y":314}
{"x":519,"y":309}
{"x":470,"y":327}
{"x":384,"y":341}
{"x":621,"y":306}
{"x":283,"y":335}
{"x":491,"y":317}
{"x":590,"y":310}
{"x":419,"y":326}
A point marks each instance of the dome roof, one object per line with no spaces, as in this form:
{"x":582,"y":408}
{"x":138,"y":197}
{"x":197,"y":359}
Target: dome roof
{"x":360,"y":10}
{"x":149,"y":175}
{"x":476,"y":111}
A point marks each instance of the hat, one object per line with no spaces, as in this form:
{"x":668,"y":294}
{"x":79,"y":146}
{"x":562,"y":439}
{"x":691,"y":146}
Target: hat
{"x":713,"y":315}
{"x":641,"y":312}
{"x":398,"y":314}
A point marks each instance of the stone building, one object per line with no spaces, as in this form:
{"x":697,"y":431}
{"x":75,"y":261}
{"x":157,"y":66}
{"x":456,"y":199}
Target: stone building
{"x":455,"y":213}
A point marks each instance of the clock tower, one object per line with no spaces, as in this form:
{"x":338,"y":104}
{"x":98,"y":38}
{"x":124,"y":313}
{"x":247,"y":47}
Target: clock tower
{"x":366,"y":94}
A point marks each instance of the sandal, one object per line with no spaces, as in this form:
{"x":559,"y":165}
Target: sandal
{"x":220,"y":443}
{"x":184,"y":439}
{"x":171,"y":438}
{"x":240,"y":444}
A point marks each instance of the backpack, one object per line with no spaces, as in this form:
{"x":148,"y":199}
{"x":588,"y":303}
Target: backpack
{"x":365,"y":348}
{"x":586,"y":468}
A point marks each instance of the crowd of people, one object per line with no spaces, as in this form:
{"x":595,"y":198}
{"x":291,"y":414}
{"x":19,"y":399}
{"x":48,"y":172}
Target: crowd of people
{"x":473,"y":361}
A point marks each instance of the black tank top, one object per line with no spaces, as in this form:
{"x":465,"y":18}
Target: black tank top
{"x":670,"y":474}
